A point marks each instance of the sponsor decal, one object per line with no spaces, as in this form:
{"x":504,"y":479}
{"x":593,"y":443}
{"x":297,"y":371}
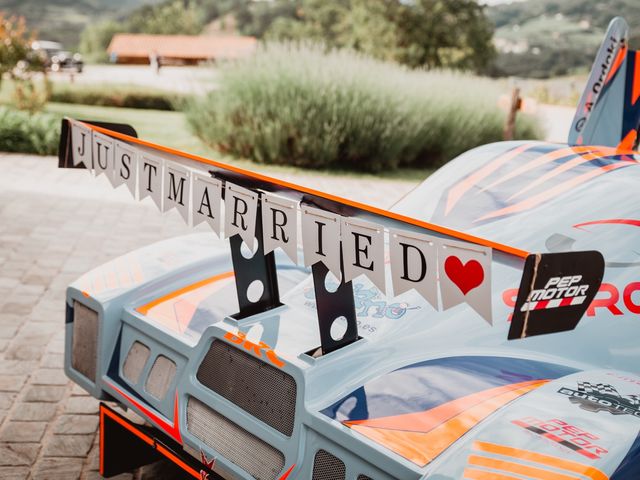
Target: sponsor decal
{"x":210,"y":464}
{"x":555,"y":291}
{"x":258,"y":349}
{"x":558,"y":292}
{"x":565,"y":434}
{"x":597,"y":397}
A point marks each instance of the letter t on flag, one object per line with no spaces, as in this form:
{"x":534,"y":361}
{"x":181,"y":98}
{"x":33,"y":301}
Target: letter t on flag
{"x":414,"y":264}
{"x":465,"y":276}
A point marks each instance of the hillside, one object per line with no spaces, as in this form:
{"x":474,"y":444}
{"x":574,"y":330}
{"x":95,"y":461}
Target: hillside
{"x":543,"y":38}
{"x":64,"y":20}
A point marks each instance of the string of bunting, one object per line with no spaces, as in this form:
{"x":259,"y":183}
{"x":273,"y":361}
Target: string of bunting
{"x":461,"y":270}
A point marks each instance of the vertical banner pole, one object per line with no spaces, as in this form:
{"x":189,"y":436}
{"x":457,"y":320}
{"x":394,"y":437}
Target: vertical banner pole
{"x":259,"y":268}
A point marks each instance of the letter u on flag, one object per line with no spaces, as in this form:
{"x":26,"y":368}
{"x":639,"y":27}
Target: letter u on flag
{"x":465,"y":276}
{"x":414,"y":264}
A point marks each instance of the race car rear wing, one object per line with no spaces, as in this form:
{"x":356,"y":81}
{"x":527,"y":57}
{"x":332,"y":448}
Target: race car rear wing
{"x":339,"y":236}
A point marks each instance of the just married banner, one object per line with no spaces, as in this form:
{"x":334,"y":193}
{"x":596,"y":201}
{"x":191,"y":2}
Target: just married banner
{"x":445,"y":272}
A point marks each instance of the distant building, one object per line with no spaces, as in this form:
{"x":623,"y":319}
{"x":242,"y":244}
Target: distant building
{"x":178,"y":49}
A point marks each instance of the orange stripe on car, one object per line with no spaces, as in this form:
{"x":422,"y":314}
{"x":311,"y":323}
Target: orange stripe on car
{"x":144,"y":309}
{"x":457,"y":192}
{"x":518,"y":468}
{"x":541,"y":160}
{"x":620,"y":57}
{"x":629,"y":141}
{"x":636,"y":80}
{"x":422,"y":448}
{"x":564,"y":167}
{"x":474,"y":474}
{"x":560,"y":463}
{"x":428,"y":420}
{"x":552,"y":192}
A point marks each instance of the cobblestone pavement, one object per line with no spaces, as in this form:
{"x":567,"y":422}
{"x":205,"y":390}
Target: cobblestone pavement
{"x":54,"y":226}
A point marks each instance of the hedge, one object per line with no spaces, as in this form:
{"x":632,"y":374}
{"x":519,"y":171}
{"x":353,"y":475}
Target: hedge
{"x":117,"y":96}
{"x":300,"y":105}
{"x":28,"y":133}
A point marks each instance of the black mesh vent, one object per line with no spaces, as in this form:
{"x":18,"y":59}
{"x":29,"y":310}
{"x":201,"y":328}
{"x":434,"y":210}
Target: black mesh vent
{"x":84,"y":349}
{"x":258,"y":458}
{"x":266,"y":392}
{"x":364,"y":477}
{"x":327,"y":467}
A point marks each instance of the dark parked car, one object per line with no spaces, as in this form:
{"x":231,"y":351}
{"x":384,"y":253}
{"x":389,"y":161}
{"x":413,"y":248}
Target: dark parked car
{"x":55,"y":58}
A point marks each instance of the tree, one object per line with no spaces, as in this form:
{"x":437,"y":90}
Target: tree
{"x":14,"y":43}
{"x":419,"y":33}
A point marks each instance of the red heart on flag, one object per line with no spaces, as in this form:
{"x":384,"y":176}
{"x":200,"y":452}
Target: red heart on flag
{"x":466,"y":276}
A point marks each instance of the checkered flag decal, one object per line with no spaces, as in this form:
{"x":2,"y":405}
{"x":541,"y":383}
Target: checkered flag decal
{"x":634,"y":399}
{"x":602,"y":388}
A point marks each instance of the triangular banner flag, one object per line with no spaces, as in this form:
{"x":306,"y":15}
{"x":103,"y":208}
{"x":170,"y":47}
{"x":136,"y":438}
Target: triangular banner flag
{"x":280,"y":225}
{"x":414,"y":264}
{"x":81,"y":145}
{"x":103,"y":154}
{"x":206,"y":200}
{"x":126,"y":167}
{"x":363,"y":248}
{"x":465,"y":276}
{"x":321,"y":238}
{"x":150,"y":178}
{"x":177,"y":186}
{"x":241,"y":208}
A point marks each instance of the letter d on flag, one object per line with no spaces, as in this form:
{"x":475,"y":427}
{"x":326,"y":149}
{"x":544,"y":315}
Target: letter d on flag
{"x":414,"y":264}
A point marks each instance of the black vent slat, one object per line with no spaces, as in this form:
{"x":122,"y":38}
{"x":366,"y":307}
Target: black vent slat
{"x":264,"y":391}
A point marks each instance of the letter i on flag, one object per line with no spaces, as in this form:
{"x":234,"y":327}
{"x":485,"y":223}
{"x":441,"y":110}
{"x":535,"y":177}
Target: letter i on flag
{"x":465,"y":276}
{"x":321,"y":238}
{"x":414,"y":264}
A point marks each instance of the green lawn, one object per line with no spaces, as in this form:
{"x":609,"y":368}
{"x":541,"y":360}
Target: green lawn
{"x":171,"y":129}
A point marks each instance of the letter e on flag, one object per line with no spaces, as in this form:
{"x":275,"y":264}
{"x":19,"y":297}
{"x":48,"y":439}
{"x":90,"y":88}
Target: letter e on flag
{"x":363,"y":248}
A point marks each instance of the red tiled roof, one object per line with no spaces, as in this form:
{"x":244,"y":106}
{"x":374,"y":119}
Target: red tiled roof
{"x":181,"y":46}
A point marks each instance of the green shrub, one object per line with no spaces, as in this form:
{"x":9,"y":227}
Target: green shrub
{"x":28,"y":133}
{"x":116,"y":96}
{"x":298,"y":105}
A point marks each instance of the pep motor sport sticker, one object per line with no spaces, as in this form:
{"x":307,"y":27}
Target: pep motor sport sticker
{"x":555,"y":291}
